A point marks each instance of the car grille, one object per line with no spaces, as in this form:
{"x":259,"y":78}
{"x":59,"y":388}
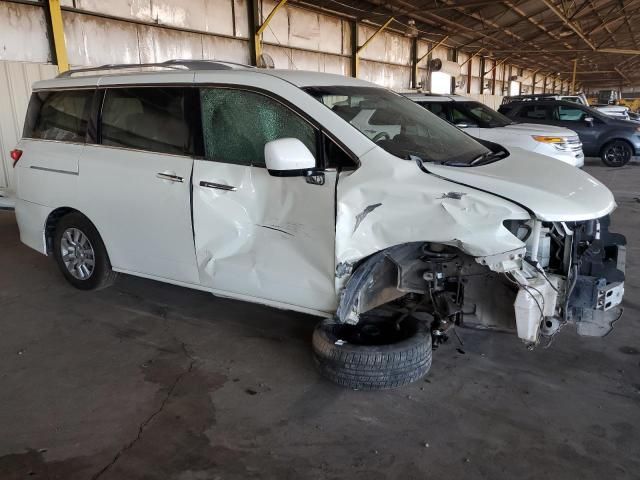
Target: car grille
{"x":572,"y":144}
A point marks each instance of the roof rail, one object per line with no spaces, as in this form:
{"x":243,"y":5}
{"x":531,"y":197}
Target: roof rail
{"x":170,"y":64}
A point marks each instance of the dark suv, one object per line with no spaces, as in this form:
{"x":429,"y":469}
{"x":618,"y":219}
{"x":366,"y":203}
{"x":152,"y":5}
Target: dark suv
{"x":613,"y":140}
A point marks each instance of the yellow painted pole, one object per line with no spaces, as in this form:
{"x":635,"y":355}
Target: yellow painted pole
{"x":257,"y":38}
{"x":58,"y":35}
{"x":356,"y":62}
{"x":573,"y":78}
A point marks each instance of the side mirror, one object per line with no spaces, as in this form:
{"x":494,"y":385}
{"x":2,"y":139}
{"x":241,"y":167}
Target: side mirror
{"x":288,"y":157}
{"x":589,"y":120}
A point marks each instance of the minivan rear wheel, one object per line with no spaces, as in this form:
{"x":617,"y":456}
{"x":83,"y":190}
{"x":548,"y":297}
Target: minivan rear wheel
{"x":80,"y":253}
{"x":616,"y":153}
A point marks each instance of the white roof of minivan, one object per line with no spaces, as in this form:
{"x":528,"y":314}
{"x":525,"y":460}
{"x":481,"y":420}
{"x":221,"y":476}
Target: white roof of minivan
{"x":298,"y":78}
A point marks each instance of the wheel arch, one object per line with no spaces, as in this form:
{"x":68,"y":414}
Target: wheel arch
{"x":384,"y":276}
{"x":616,"y":139}
{"x":52,"y":221}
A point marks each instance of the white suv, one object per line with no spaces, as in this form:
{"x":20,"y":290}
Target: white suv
{"x":253,"y":184}
{"x":483,"y":123}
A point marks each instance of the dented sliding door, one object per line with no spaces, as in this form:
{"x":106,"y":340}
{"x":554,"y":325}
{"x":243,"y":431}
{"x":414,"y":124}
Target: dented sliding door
{"x":258,"y":236}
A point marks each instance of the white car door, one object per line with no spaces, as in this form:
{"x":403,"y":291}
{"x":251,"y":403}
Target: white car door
{"x":135,"y":185}
{"x":258,"y":236}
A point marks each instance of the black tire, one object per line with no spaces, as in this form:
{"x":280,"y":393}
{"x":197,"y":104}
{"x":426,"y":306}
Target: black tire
{"x":101,"y":275}
{"x":372,"y":367}
{"x":616,"y":153}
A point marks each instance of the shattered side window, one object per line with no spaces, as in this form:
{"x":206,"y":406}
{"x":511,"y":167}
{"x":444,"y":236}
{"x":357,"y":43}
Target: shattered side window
{"x":237,"y":124}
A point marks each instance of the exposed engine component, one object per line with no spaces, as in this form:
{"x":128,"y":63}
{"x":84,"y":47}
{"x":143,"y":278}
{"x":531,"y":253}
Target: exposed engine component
{"x":569,"y":272}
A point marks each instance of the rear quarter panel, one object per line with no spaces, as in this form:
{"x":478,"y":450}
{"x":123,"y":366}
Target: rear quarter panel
{"x":48,"y":171}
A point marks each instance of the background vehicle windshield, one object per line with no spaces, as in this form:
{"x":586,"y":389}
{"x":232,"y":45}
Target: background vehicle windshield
{"x":399,"y":125}
{"x":483,"y":115}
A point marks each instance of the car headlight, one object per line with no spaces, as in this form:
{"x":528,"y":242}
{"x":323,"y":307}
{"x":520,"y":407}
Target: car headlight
{"x":545,"y":139}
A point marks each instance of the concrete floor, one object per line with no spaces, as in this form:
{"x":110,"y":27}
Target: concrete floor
{"x":151,"y":381}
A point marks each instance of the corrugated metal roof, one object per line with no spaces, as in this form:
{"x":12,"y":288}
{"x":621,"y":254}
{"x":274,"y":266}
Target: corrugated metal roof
{"x":539,"y":34}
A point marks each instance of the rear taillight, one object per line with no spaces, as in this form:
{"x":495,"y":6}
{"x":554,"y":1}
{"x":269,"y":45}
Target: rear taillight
{"x":15,"y":155}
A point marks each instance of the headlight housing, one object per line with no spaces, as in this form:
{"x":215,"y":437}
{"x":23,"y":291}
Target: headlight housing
{"x":546,"y":139}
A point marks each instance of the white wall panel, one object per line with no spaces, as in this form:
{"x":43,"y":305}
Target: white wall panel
{"x":386,"y":47}
{"x":312,"y":61}
{"x":135,"y":9}
{"x":390,"y":76}
{"x":423,"y":48}
{"x":240,"y":10}
{"x":300,"y":28}
{"x":228,"y":49}
{"x":99,"y":41}
{"x":161,"y":44}
{"x":23,"y":33}
{"x":16,"y":79}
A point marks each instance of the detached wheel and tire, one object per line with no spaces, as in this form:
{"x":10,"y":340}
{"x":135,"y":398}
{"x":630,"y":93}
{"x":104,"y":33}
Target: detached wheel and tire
{"x":616,"y":153}
{"x":374,"y":355}
{"x":80,"y":253}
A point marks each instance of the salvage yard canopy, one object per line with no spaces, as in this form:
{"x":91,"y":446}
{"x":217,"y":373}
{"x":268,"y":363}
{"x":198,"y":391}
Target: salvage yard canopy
{"x":596,"y":39}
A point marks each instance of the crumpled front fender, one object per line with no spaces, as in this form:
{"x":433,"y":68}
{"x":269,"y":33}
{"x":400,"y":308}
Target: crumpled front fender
{"x":389,"y":201}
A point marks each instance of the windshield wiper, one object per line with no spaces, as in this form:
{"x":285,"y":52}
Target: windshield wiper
{"x":487,"y":158}
{"x":479,"y":160}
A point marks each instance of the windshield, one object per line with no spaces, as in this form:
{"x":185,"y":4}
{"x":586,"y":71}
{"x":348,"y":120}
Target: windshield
{"x":476,"y":113}
{"x":400,"y":126}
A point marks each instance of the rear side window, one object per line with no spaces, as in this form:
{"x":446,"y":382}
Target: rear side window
{"x":534,"y":112}
{"x":147,"y":118}
{"x":61,"y":115}
{"x":237,"y":124}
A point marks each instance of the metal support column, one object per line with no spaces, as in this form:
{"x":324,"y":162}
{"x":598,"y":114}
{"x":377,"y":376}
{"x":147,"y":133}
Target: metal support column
{"x":573,"y":78}
{"x":54,"y":16}
{"x":257,"y":37}
{"x":356,"y":56}
{"x":414,"y":62}
{"x":494,"y":71}
{"x":469,"y":73}
{"x":354,"y":49}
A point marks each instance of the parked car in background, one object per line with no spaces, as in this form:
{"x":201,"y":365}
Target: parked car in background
{"x":617,"y":111}
{"x":258,"y":185}
{"x":482,"y":122}
{"x":614,"y":141}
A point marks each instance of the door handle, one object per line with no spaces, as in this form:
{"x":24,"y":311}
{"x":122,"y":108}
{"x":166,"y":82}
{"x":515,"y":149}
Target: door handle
{"x":172,"y":177}
{"x":218,"y":186}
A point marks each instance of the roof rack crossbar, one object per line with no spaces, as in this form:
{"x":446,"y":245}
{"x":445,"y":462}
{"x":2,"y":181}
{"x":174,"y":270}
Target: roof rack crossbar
{"x":170,"y":64}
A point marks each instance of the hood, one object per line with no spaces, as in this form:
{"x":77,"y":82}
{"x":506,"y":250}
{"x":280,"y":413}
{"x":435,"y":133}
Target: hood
{"x":535,"y":129}
{"x":612,"y":108}
{"x":552,"y":190}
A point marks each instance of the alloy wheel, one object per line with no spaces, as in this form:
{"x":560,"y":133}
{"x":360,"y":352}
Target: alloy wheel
{"x":77,"y":253}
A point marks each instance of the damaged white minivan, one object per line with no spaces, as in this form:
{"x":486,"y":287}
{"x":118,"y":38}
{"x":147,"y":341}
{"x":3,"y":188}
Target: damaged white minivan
{"x":251,"y":184}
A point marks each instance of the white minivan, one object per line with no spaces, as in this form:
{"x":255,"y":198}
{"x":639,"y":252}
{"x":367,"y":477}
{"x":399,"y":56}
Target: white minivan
{"x":250,"y":184}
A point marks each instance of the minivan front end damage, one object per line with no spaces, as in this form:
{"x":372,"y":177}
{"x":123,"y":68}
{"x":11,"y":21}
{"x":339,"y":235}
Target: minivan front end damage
{"x":564,"y":272}
{"x":496,"y":246}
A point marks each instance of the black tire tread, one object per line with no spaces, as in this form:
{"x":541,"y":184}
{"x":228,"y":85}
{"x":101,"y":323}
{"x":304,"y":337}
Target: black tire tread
{"x":368,"y":368}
